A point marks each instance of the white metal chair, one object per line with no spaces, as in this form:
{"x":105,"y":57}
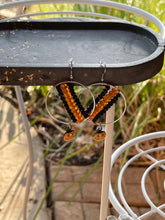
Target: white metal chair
{"x":125,"y":212}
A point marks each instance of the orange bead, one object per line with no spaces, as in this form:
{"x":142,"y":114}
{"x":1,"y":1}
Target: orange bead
{"x":99,"y":107}
{"x":78,"y":111}
{"x":110,"y":97}
{"x":96,"y":112}
{"x":75,"y":109}
{"x":106,"y":98}
{"x":72,"y":101}
{"x":79,"y":115}
{"x":111,"y":93}
{"x":80,"y":120}
{"x":72,"y":107}
{"x":92,"y":116}
{"x":114,"y":93}
{"x":69,"y":102}
{"x":63,"y":85}
{"x":102,"y":102}
{"x":69,"y":94}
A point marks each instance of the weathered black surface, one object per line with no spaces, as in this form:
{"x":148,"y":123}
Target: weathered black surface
{"x":39,"y":53}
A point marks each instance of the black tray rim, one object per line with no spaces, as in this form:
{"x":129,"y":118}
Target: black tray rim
{"x":116,"y":74}
{"x":154,"y":55}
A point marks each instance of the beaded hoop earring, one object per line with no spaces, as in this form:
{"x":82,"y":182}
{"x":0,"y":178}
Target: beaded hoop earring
{"x":103,"y":102}
{"x":72,"y":105}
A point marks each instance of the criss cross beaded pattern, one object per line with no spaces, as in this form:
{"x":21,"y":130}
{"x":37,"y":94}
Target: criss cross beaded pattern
{"x":76,"y":111}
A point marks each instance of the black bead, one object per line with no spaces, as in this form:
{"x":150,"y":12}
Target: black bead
{"x":65,"y":103}
{"x":94,"y":120}
{"x":85,"y":115}
{"x":97,"y":100}
{"x":100,"y":96}
{"x":104,"y":92}
{"x":81,"y":108}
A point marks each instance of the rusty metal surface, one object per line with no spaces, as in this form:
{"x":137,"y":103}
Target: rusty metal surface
{"x":39,"y":53}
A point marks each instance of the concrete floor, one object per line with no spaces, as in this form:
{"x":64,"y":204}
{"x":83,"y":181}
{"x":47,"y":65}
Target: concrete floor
{"x":14,"y":168}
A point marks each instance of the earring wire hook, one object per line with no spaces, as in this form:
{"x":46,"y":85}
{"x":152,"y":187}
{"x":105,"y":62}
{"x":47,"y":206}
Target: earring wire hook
{"x":103,"y":64}
{"x":71,"y":69}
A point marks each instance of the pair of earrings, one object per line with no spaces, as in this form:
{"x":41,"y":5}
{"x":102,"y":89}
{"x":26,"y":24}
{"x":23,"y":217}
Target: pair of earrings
{"x":67,"y":91}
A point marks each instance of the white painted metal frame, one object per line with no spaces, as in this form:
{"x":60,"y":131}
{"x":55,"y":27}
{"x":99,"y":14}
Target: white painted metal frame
{"x":110,"y":114}
{"x":30,"y":146}
{"x":125,"y":210}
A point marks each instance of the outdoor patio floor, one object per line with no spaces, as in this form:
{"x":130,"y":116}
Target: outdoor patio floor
{"x":87,"y":202}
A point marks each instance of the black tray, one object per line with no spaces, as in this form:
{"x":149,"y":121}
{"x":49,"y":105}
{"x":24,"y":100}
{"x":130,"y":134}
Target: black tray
{"x":39,"y":53}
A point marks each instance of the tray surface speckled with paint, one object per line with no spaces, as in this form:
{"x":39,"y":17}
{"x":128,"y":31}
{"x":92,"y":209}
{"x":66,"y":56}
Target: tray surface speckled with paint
{"x":39,"y":53}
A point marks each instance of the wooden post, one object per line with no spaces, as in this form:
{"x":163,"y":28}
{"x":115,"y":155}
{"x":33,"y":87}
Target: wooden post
{"x":107,"y":163}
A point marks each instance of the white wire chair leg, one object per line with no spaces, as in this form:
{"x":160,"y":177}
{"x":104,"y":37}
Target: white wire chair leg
{"x":123,"y":211}
{"x":30,"y":148}
{"x":107,"y":163}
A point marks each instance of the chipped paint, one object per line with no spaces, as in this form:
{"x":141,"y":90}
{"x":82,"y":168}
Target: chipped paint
{"x":30,"y":77}
{"x":12,"y":32}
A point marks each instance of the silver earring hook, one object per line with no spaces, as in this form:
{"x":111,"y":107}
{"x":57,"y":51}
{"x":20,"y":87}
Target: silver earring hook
{"x":103,"y":64}
{"x":99,"y":127}
{"x":71,"y":69}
